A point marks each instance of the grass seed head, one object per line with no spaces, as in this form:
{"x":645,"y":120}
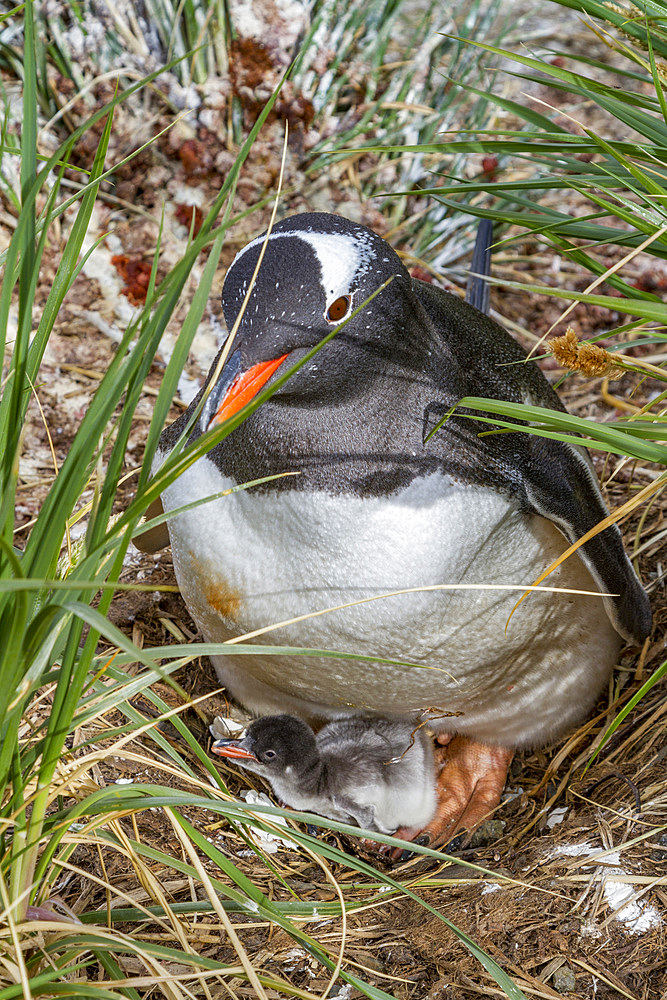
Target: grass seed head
{"x":589,"y":359}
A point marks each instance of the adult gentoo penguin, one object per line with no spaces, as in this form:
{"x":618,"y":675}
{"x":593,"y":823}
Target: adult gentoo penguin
{"x":376,"y":507}
{"x":377,"y":773}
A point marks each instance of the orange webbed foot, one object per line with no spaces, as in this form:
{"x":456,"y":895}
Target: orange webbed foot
{"x":470,"y":782}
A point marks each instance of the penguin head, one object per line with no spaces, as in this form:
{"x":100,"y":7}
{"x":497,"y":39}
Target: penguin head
{"x":275,"y":745}
{"x":315,"y":271}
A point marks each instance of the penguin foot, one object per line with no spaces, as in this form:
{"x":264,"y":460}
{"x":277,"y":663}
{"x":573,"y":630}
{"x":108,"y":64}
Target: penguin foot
{"x":469,"y":785}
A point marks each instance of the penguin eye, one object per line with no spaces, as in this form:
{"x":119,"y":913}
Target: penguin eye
{"x":269,"y":754}
{"x":338,"y":309}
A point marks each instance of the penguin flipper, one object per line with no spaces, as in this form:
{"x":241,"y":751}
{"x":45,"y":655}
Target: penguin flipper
{"x":560,"y":485}
{"x":546,"y":477}
{"x":362,"y":815}
{"x":155,"y":538}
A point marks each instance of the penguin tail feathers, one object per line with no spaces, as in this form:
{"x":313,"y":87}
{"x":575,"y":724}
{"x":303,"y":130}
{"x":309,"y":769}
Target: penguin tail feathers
{"x":477,"y":290}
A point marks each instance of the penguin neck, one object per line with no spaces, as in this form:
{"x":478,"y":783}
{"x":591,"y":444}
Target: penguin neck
{"x":362,"y":434}
{"x":311,"y":773}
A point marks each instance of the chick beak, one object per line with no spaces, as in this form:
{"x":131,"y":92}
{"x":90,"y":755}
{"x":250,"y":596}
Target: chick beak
{"x":243,"y":387}
{"x":233,"y":749}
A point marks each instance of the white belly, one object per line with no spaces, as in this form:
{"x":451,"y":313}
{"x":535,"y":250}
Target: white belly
{"x":249,"y":560}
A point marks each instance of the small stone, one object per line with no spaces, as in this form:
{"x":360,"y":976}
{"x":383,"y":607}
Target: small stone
{"x":563,"y":980}
{"x":341,"y":992}
{"x":488,"y":833}
{"x":660,"y":855}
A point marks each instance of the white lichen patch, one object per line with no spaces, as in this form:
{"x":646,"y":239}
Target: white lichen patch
{"x":635,"y":914}
{"x":276,"y":25}
{"x":575,"y":850}
{"x":556,"y":816}
{"x":293,"y":958}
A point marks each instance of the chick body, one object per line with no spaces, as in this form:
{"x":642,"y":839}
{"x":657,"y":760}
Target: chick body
{"x":377,"y":773}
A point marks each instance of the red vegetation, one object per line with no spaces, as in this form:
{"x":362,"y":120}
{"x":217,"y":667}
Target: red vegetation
{"x":490,"y":167}
{"x":136,"y":275}
{"x":185,"y":214}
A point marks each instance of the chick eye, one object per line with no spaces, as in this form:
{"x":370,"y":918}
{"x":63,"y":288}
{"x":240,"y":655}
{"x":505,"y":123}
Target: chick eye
{"x":338,"y":309}
{"x":269,"y":754}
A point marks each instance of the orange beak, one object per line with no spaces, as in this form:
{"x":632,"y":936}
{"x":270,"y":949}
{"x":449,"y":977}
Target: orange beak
{"x":231,"y":748}
{"x":244,"y":388}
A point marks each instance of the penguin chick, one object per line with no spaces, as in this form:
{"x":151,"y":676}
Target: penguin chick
{"x":376,"y":773}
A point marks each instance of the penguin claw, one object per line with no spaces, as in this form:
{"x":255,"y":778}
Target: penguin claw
{"x":395,"y":853}
{"x":469,"y":786}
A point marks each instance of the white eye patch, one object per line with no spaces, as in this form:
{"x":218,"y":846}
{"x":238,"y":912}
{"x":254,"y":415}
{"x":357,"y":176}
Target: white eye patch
{"x":341,"y":256}
{"x":341,"y":259}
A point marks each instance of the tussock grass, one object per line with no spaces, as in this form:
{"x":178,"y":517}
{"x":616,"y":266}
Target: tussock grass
{"x":381,"y":92}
